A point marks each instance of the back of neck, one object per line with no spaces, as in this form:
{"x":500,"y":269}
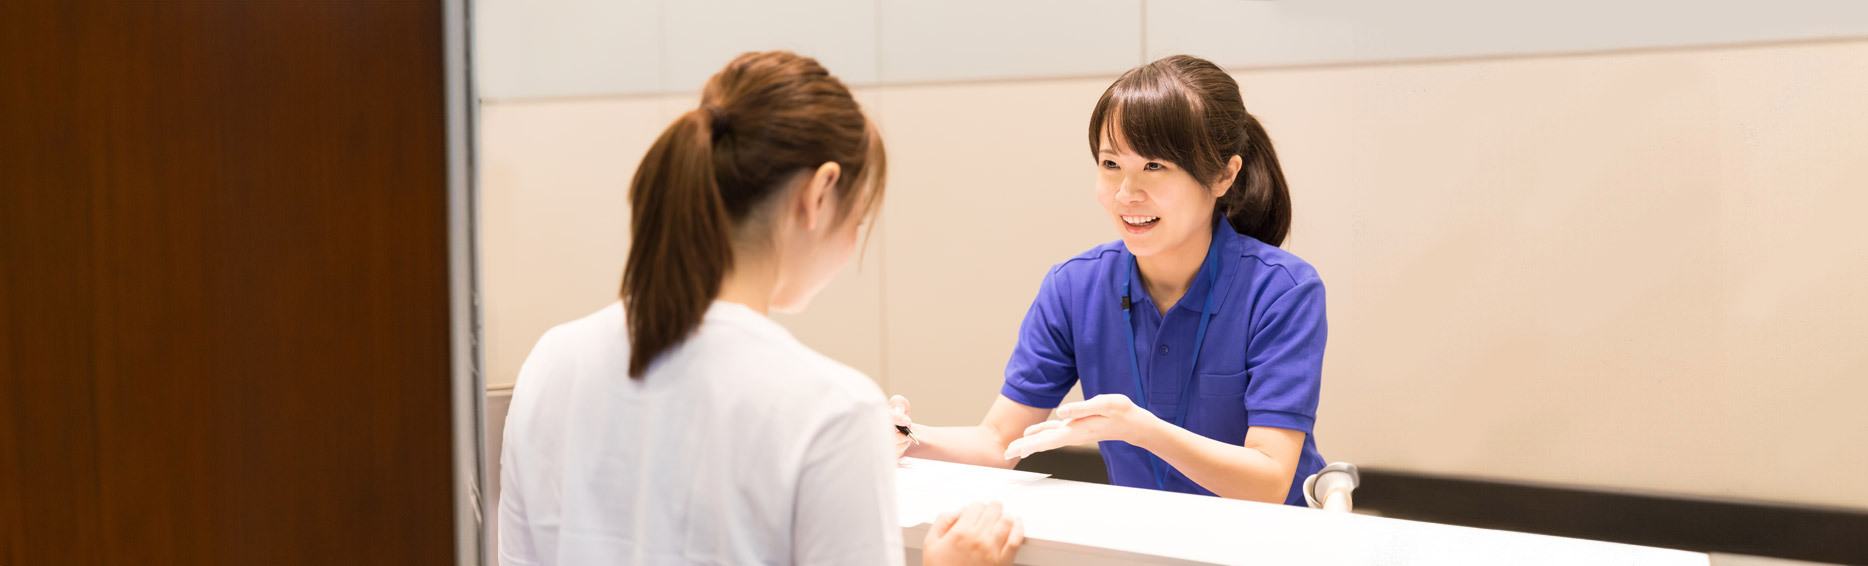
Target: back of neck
{"x":751,"y":282}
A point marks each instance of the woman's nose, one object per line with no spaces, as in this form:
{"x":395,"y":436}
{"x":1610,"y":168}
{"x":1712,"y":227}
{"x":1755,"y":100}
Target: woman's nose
{"x":1127,"y":192}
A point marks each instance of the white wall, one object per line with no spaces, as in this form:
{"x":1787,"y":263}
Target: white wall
{"x":559,"y":48}
{"x":1632,"y":270}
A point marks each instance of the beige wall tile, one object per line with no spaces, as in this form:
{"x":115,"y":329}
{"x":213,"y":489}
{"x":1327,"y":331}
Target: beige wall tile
{"x":970,"y":40}
{"x":560,"y":48}
{"x":572,"y":48}
{"x":554,"y":213}
{"x":1297,"y":32}
{"x":704,"y":34}
{"x":991,"y":185}
{"x":1627,"y":271}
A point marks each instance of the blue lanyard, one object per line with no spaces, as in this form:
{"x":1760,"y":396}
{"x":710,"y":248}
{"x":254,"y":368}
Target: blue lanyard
{"x":1135,"y":365}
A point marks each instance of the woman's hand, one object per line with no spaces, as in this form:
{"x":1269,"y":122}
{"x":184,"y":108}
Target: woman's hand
{"x":898,"y":413}
{"x":975,"y":534}
{"x":1105,"y":417}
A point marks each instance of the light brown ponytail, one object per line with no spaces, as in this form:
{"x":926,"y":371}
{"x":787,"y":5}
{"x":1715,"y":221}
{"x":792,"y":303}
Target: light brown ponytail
{"x":680,"y":247}
{"x":763,"y":119}
{"x":1189,"y":112}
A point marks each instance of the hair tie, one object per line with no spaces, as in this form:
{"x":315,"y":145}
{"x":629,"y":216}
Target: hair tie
{"x":717,"y":115}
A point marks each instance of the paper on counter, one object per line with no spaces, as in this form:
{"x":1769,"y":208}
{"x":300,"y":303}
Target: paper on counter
{"x":927,"y":488}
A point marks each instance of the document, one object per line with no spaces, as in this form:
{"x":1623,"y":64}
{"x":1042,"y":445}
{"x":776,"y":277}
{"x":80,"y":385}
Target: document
{"x":927,"y":488}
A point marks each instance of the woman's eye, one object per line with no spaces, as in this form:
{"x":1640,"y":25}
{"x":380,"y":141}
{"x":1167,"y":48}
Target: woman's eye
{"x":1107,"y":164}
{"x":1152,"y":166}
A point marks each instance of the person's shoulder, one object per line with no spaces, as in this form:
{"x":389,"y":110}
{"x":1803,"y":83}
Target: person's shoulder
{"x":1093,"y":258}
{"x":601,"y":325}
{"x":601,"y":333}
{"x":1277,"y":262}
{"x":845,"y":384}
{"x":1091,"y":262}
{"x":804,"y":387}
{"x":773,"y":362}
{"x":545,"y":383}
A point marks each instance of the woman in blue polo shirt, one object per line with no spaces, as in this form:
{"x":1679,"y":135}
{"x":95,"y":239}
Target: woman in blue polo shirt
{"x":1198,"y":342}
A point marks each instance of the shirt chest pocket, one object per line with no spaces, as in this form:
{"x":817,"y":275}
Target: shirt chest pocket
{"x":1219,"y":407}
{"x":1220,"y":385}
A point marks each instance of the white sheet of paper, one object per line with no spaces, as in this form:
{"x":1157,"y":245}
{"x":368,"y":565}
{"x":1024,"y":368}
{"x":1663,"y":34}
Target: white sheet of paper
{"x":928,"y":488}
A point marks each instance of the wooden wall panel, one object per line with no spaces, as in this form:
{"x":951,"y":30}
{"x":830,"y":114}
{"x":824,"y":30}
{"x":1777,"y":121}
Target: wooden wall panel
{"x":223,"y":296}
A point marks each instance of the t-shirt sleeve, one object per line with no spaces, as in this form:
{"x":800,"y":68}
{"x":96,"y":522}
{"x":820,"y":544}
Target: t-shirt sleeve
{"x":1285,"y":360}
{"x":845,"y":508}
{"x":1043,"y":367}
{"x":516,"y":544}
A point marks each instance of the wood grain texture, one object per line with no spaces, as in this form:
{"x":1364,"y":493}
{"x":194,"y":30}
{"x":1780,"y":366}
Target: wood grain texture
{"x":223,"y":296}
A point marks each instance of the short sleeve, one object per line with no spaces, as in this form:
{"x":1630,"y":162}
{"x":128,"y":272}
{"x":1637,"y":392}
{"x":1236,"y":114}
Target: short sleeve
{"x":1285,"y":360}
{"x":845,"y":507}
{"x":1043,"y":366}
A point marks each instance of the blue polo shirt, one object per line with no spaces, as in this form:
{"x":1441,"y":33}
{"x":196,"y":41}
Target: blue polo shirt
{"x":1261,"y":364}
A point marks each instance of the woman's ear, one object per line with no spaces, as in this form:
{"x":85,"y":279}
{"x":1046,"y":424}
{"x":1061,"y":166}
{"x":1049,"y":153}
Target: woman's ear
{"x":1231,"y":174}
{"x":815,"y":198}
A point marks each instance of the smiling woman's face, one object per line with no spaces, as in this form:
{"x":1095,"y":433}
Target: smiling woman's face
{"x":1156,"y":205}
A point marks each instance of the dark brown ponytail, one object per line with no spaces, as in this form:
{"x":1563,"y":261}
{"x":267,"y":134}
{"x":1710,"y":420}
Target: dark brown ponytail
{"x":1188,"y":111}
{"x":763,"y":120}
{"x":1259,"y":203}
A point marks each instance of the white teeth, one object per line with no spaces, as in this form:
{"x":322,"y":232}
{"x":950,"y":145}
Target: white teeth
{"x":1139,"y":220}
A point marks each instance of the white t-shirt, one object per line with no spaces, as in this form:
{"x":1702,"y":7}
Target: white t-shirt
{"x":741,"y":446}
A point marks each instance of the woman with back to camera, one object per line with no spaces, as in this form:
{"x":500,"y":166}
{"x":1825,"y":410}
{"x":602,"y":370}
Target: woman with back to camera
{"x":1198,"y":342}
{"x":681,"y":425}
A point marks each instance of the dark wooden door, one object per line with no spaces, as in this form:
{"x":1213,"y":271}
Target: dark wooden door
{"x":224,"y":332}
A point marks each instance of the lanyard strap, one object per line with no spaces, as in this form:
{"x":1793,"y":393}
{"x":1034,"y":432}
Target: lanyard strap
{"x":1199,"y":338}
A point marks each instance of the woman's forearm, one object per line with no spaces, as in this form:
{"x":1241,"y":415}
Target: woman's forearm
{"x":974,"y":445}
{"x":1230,"y":471}
{"x":982,"y":445}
